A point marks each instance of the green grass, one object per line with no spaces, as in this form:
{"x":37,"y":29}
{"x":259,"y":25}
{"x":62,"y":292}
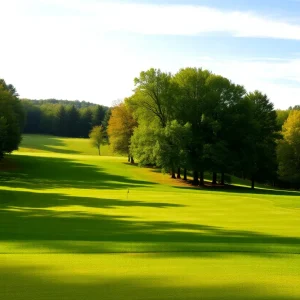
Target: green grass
{"x":77,"y":226}
{"x":49,"y":144}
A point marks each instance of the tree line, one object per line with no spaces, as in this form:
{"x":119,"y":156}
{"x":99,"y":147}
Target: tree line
{"x":193,"y":122}
{"x":11,"y":118}
{"x":196,"y":121}
{"x":54,"y":117}
{"x":63,"y":118}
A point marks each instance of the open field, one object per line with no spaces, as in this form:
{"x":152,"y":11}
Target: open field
{"x":76,"y":226}
{"x":50,"y":144}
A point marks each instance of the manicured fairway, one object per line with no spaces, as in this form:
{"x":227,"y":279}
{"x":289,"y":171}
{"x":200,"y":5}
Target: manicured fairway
{"x":77,"y":226}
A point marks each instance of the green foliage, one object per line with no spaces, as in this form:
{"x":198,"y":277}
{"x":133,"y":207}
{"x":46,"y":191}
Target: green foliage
{"x":120,"y":128}
{"x":8,"y":87}
{"x":165,"y":147}
{"x":86,"y":121}
{"x":3,"y":135}
{"x":154,"y":94}
{"x":62,"y":118}
{"x":230,"y":131}
{"x":190,"y":108}
{"x":96,"y":137}
{"x":296,"y":107}
{"x":106,"y":118}
{"x":98,"y":115}
{"x":61,"y":121}
{"x":54,"y":102}
{"x":11,"y":119}
{"x":282,"y":116}
{"x":171,"y":146}
{"x":259,"y":159}
{"x":142,"y":142}
{"x":289,"y":150}
{"x":73,"y":122}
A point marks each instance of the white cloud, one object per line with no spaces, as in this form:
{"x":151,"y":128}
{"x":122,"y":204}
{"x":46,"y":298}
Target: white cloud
{"x":165,"y":19}
{"x":75,"y":57}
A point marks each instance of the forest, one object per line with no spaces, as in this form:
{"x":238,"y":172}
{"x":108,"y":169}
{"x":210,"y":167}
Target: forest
{"x":196,"y":121}
{"x":63,"y":118}
{"x":192,"y":122}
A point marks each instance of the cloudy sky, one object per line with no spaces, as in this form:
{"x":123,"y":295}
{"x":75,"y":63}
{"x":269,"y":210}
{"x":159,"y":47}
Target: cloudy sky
{"x":92,"y":50}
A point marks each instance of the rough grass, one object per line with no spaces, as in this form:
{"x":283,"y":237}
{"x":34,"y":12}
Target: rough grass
{"x":85,"y":227}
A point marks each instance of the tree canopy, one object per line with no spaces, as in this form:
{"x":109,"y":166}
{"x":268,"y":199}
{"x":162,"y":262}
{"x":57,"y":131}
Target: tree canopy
{"x":202,"y":122}
{"x":289,"y":150}
{"x":11,"y":118}
{"x":96,"y":137}
{"x":63,"y":118}
{"x":120,"y":129}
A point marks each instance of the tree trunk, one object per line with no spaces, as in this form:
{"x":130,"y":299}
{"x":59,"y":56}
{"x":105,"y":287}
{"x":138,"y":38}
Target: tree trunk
{"x":202,"y":178}
{"x":131,"y":160}
{"x":222,"y":178}
{"x":214,"y":181}
{"x":252,"y":182}
{"x":184,"y":174}
{"x":128,"y":158}
{"x":196,"y":176}
{"x":173,"y":173}
{"x":99,"y":151}
{"x":178,"y":173}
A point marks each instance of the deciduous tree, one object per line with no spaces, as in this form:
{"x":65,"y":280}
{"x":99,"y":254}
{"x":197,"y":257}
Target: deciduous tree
{"x":154,"y":95}
{"x":11,"y":119}
{"x":96,"y":137}
{"x":289,"y":150}
{"x":170,"y":149}
{"x":120,"y":129}
{"x":259,"y":146}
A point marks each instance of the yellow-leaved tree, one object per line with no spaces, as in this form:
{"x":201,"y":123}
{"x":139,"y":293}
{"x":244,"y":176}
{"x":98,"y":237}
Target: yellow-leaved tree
{"x":289,"y":150}
{"x":120,"y":129}
{"x":96,"y":137}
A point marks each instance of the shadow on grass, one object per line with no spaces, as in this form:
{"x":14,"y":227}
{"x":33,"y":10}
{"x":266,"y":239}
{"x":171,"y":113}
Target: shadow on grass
{"x":46,"y":173}
{"x":24,"y":282}
{"x":41,"y":218}
{"x":241,"y":190}
{"x":228,"y":188}
{"x":48,"y":217}
{"x":47,"y":143}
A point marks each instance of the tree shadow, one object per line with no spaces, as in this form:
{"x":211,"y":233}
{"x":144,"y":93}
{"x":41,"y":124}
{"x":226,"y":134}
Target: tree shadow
{"x":47,"y":143}
{"x":226,"y":188}
{"x":55,"y":217}
{"x":38,"y":201}
{"x":44,"y":218}
{"x":241,"y":190}
{"x":49,"y":173}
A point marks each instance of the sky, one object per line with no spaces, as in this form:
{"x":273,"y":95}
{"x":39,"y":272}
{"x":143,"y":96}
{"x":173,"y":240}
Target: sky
{"x":92,"y":50}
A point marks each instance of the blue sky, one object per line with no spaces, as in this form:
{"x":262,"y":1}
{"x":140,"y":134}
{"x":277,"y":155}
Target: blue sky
{"x":92,"y":50}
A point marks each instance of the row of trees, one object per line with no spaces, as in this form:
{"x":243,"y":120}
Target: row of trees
{"x":192,"y":121}
{"x":11,"y":118}
{"x":197,"y":121}
{"x":63,"y":118}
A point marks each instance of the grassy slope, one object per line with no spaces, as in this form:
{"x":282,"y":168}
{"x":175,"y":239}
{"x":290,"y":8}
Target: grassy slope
{"x":180,"y":242}
{"x":49,"y":144}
